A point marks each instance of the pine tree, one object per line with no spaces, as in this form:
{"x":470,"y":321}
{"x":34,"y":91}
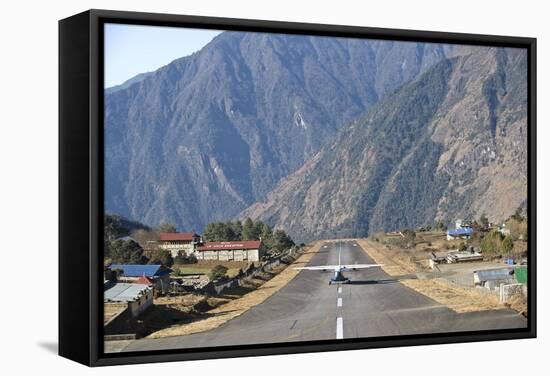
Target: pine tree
{"x":507,"y":245}
{"x":162,"y":257}
{"x":166,"y":227}
{"x":126,"y":252}
{"x":266,"y":234}
{"x":248,"y":229}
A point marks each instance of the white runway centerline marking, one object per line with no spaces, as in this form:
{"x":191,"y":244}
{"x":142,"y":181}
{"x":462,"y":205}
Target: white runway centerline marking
{"x":339,"y":328}
{"x":340,"y":290}
{"x":339,"y":303}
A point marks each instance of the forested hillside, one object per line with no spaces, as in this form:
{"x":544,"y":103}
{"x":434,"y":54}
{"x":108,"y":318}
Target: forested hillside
{"x":448,"y":145}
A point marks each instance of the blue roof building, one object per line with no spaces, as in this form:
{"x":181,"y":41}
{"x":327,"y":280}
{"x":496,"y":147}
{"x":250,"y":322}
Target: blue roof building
{"x":492,"y":278}
{"x":151,"y":271}
{"x":462,"y":232}
{"x":494,"y":275}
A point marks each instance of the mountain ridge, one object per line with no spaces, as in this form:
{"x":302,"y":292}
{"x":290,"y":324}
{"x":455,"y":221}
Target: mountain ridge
{"x":209,"y":134}
{"x":398,"y":166}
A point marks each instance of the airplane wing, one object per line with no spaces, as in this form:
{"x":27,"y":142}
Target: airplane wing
{"x":343,"y":268}
{"x":321,"y":267}
{"x":358,"y":266}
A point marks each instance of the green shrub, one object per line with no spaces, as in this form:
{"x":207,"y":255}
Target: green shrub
{"x":218,"y":272}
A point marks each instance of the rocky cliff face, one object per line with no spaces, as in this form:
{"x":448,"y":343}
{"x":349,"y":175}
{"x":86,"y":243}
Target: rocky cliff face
{"x":210,"y":134}
{"x":450,"y":144}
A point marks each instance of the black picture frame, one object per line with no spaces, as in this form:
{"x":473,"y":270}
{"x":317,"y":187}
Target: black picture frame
{"x":81,"y":185}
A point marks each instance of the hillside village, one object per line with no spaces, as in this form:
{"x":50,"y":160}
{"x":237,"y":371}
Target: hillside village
{"x":154,"y":278}
{"x":472,"y":255}
{"x":157,"y":278}
{"x":323,"y":143}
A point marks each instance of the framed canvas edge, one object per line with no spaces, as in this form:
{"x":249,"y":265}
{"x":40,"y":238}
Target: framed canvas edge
{"x":95,"y":345}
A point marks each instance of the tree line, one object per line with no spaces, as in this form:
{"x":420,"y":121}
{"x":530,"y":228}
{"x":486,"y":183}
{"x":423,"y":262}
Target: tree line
{"x":120,"y":250}
{"x":128,"y":251}
{"x":277,"y":240}
{"x":495,"y":243}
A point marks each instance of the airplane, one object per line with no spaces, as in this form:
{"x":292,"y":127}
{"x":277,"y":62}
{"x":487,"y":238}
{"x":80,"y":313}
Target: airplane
{"x":338,"y":270}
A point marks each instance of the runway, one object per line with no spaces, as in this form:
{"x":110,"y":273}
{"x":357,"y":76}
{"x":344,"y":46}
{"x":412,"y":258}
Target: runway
{"x":307,"y":308}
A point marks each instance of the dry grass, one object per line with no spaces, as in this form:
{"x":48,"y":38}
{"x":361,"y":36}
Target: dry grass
{"x":237,"y":307}
{"x":111,"y":310}
{"x":398,"y":263}
{"x":181,"y":302}
{"x":168,"y":310}
{"x":518,"y":302}
{"x":434,"y":240}
{"x":459,"y":299}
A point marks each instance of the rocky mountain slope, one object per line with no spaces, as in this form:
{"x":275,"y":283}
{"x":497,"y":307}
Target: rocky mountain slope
{"x":451,"y":144}
{"x":208,"y":135}
{"x":126,"y":84}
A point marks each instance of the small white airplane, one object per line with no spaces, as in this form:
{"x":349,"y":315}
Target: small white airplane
{"x":338,"y":270}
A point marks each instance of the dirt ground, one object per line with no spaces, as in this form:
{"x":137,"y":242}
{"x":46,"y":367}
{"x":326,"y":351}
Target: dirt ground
{"x":401,"y":263}
{"x":110,"y":310}
{"x":396,"y":262}
{"x":240,"y":300}
{"x":518,"y":303}
{"x":459,"y":299}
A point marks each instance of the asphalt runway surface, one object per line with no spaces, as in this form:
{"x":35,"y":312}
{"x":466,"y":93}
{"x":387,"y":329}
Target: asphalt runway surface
{"x":308,"y":308}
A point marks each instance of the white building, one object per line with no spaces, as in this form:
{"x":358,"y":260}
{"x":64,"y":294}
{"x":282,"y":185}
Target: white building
{"x":246,"y":250}
{"x":179,"y":241}
{"x":137,"y":297}
{"x":491,"y":279}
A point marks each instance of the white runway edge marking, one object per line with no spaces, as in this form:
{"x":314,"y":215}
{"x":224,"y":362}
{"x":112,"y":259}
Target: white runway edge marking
{"x":340,"y":290}
{"x":339,"y":303}
{"x":339,"y":328}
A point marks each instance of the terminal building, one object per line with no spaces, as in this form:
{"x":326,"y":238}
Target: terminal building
{"x":246,"y":250}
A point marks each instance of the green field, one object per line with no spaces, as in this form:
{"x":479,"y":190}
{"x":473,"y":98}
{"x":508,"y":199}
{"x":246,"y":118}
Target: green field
{"x":194,"y":270}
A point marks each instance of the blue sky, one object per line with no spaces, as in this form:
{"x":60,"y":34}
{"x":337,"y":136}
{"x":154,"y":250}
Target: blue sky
{"x":134,"y":49}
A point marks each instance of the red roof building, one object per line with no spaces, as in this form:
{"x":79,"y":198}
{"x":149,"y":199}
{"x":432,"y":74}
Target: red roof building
{"x":176,"y":242}
{"x":177,"y":236}
{"x":218,"y":246}
{"x":246,"y":250}
{"x":143,"y":280}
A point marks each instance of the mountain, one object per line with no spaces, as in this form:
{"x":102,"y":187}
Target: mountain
{"x":206,"y":136}
{"x":126,"y":84}
{"x":450,"y":144}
